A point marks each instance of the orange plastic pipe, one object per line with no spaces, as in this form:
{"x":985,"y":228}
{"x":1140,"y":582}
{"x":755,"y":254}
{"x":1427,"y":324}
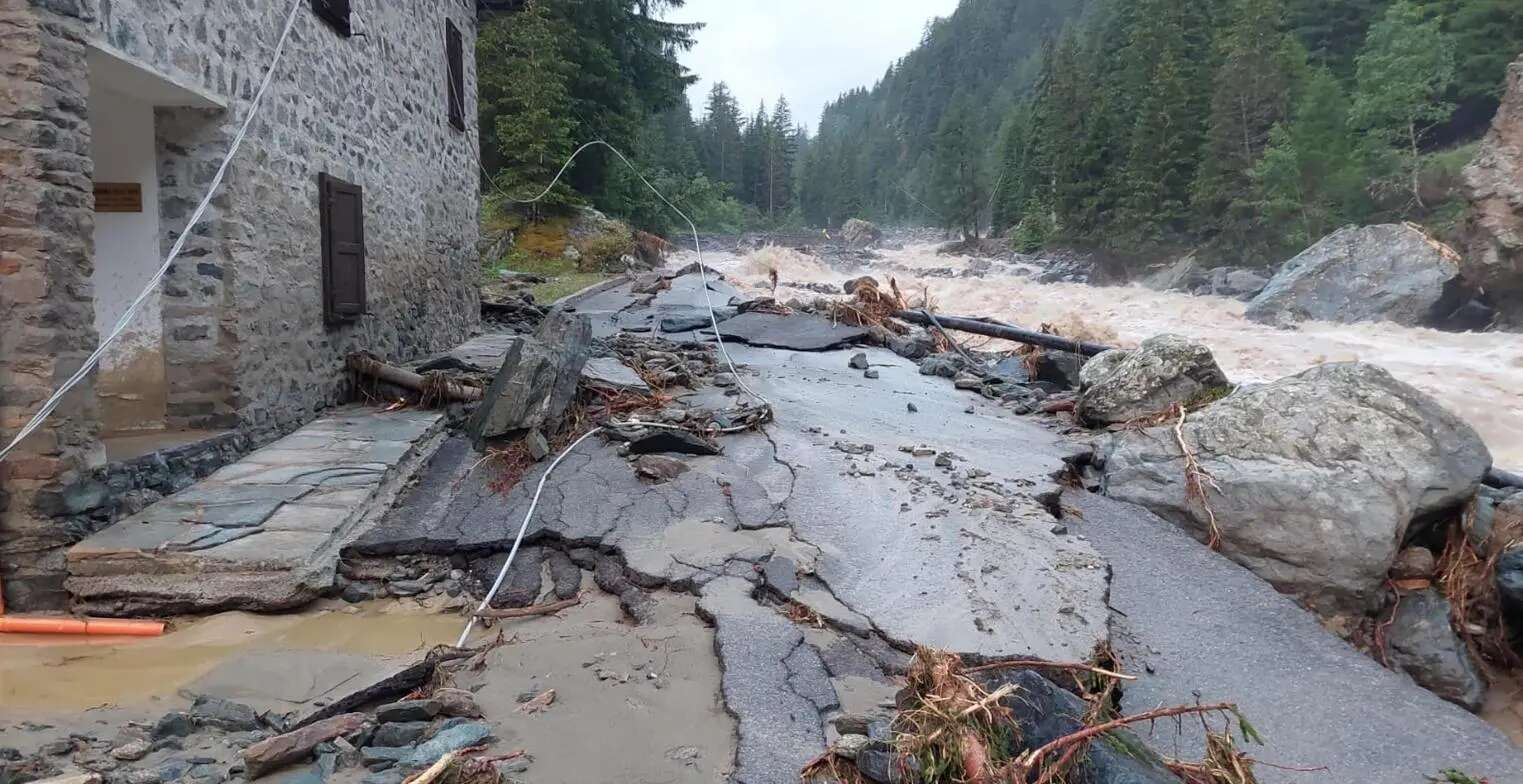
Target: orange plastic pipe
{"x":94,"y":627}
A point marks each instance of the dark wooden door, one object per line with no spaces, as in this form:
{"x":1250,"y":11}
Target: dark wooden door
{"x":343,"y":228}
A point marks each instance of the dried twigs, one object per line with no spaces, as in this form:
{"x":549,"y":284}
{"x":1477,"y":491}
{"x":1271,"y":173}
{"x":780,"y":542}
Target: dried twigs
{"x":1466,"y":575}
{"x":1197,"y":480}
{"x":549,"y":608}
{"x":1033,"y":761}
{"x":1038,"y":664}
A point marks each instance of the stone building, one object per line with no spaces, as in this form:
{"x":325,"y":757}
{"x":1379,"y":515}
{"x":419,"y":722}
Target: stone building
{"x":347,"y":221}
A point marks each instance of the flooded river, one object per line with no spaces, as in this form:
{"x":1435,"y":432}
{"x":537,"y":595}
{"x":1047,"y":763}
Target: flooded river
{"x":1478,"y":376}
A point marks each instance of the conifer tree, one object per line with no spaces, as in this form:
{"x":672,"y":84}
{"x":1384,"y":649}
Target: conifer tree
{"x":1405,"y":70}
{"x":956,"y":178}
{"x":1260,"y":67}
{"x":526,"y":87}
{"x":720,"y":138}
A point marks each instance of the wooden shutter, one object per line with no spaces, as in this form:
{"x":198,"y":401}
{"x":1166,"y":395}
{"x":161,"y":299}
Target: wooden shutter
{"x":335,"y":13}
{"x":343,"y":238}
{"x":454,"y":50}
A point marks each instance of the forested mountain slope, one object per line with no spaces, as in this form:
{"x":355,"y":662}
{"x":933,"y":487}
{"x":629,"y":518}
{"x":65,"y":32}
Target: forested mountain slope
{"x":1248,"y":126}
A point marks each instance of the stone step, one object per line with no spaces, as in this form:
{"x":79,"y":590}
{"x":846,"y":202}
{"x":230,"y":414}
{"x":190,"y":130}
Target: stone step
{"x":264,"y":533}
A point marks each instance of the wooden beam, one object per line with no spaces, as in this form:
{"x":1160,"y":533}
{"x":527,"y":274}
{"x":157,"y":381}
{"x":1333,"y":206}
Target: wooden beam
{"x":995,"y":329}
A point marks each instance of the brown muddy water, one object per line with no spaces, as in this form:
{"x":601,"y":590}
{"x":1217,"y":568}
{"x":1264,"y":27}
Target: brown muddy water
{"x":1478,"y":376}
{"x":68,"y":674}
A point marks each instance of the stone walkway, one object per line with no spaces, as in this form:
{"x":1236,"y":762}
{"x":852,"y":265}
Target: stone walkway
{"x":263,"y":533}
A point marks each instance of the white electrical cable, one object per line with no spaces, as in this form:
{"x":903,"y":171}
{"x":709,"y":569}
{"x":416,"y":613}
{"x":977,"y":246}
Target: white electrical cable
{"x":519,"y":540}
{"x":94,"y":359}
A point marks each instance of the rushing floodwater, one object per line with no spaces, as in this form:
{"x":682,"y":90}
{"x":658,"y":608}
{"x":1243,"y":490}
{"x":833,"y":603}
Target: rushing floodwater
{"x":1478,"y":376}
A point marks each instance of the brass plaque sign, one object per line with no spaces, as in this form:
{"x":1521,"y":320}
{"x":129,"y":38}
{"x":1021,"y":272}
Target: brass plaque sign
{"x":118,"y":197}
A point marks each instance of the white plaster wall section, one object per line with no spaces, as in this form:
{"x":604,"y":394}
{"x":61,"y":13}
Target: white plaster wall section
{"x":131,"y":383}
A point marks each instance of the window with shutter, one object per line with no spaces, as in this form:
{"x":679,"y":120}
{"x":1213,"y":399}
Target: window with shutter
{"x":454,"y":49}
{"x":342,"y":215}
{"x":335,"y":13}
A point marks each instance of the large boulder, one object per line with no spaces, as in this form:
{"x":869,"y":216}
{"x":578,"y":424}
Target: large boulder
{"x":1374,"y":273}
{"x":1494,"y":231}
{"x":1235,"y":282}
{"x":1168,"y":369}
{"x":1317,"y":477}
{"x":859,"y":233}
{"x":1182,"y":275}
{"x":537,"y":381}
{"x":1422,"y":643}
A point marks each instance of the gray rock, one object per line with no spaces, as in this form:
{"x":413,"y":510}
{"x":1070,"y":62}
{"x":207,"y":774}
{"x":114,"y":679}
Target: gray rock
{"x":454,"y":738}
{"x":1510,"y":585}
{"x":177,"y":724}
{"x":871,"y":374}
{"x":1045,"y":713}
{"x":658,"y":468}
{"x":565,"y":575}
{"x":537,"y":380}
{"x":537,"y":444}
{"x":861,"y":234}
{"x":408,"y":711}
{"x":384,"y":757}
{"x":133,"y":750}
{"x":1319,"y":474}
{"x":457,"y":703}
{"x":943,"y":365}
{"x":1182,"y":275}
{"x":1236,"y":282}
{"x":392,"y":776}
{"x":1424,"y":645}
{"x":1166,"y":370}
{"x":914,"y":347}
{"x":356,"y":593}
{"x":524,"y":582}
{"x":1494,"y":187}
{"x":1374,"y":273}
{"x":400,"y":733}
{"x":610,"y":374}
{"x":858,"y":361}
{"x":224,"y":715}
{"x":886,"y":767}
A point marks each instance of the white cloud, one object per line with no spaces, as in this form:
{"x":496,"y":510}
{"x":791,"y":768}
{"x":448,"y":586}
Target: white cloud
{"x":808,"y":50}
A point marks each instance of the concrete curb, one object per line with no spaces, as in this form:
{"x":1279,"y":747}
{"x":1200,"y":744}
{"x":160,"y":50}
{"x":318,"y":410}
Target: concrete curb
{"x":593,"y":290}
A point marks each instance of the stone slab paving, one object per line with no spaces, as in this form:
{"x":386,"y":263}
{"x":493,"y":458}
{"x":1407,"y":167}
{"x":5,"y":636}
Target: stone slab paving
{"x":263,"y":533}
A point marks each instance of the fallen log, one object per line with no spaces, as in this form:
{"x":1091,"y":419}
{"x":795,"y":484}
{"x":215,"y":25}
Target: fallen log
{"x":527,"y":612}
{"x":995,"y":329}
{"x":367,"y":365}
{"x":1504,"y":479}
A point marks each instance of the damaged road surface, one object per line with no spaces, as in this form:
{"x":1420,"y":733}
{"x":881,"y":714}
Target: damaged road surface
{"x":880,"y":513}
{"x":730,"y":612}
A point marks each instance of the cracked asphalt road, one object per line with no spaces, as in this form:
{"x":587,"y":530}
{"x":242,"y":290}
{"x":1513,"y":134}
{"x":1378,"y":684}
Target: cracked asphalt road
{"x":889,"y":548}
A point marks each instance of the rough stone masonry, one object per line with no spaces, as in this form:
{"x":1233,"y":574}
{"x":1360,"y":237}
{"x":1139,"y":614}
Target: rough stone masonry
{"x":245,"y":343}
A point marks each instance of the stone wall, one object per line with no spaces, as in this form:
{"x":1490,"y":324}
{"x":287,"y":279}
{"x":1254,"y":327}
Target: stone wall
{"x":245,"y":343}
{"x":372,"y":109}
{"x":46,"y":300}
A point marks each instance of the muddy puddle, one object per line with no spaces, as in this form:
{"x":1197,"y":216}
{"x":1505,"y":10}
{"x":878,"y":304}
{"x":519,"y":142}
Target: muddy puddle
{"x":1478,"y":376}
{"x":63,"y":674}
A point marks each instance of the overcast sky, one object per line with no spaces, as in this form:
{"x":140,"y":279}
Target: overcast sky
{"x":808,"y":50}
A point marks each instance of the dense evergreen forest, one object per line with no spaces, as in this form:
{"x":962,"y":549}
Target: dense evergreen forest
{"x":557,"y":73}
{"x":1249,"y":125}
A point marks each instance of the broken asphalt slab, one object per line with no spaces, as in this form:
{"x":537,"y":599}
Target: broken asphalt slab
{"x":795,"y":332}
